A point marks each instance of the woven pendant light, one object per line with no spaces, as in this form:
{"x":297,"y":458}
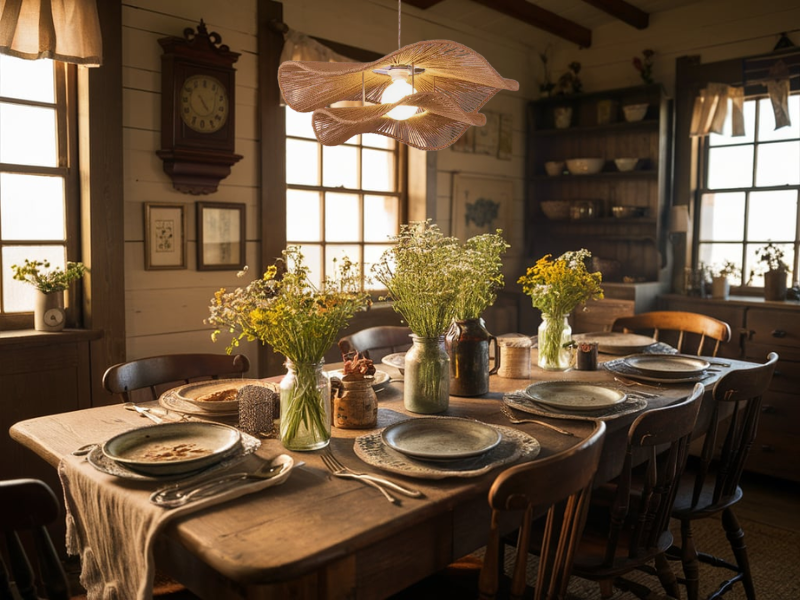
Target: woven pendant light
{"x":448,"y":84}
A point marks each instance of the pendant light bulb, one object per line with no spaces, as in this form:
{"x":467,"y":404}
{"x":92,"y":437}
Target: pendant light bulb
{"x":398,"y":89}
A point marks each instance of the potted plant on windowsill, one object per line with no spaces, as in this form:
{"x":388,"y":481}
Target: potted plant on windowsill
{"x":48,"y":314}
{"x":720,"y":284}
{"x":776,"y":272}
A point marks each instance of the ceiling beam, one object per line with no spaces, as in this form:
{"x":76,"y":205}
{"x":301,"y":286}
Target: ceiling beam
{"x":423,"y":4}
{"x":623,"y":11}
{"x":542,"y":19}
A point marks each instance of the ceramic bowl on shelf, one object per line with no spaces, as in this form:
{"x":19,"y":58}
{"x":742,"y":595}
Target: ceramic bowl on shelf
{"x":554,"y":167}
{"x":585,"y":166}
{"x":627,"y":211}
{"x":626,"y":164}
{"x":635,"y":112}
{"x":556,"y":210}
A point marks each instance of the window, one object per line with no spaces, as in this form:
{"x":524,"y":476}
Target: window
{"x":37,"y":205}
{"x":749,"y":193}
{"x":340,"y":199}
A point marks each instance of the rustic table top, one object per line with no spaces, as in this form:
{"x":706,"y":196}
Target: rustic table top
{"x":317,"y":532}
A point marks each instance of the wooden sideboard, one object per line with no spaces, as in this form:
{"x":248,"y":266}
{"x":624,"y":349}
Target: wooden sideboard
{"x":758,"y":328}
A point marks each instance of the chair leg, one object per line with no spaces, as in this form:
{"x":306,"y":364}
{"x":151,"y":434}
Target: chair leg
{"x":606,"y":588}
{"x":735,"y":536}
{"x":691,"y":565}
{"x":667,"y":578}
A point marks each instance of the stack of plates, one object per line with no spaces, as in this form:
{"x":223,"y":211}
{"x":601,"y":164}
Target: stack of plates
{"x":441,"y":438}
{"x":614,"y":342}
{"x":171,"y":449}
{"x":665,"y":368}
{"x":215,"y":398}
{"x":569,"y":396}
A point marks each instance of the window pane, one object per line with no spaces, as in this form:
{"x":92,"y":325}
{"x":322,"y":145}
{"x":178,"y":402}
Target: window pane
{"x":730,"y":167}
{"x":19,"y":296}
{"x":299,"y":124}
{"x":29,"y":135}
{"x":373,"y":140}
{"x":377,"y":170}
{"x":336,"y":252}
{"x":716,"y":255}
{"x":372,"y":256}
{"x":749,"y":128}
{"x":766,"y":121}
{"x":302,"y":162}
{"x":381,"y":217}
{"x":757,"y":268}
{"x":778,"y":164}
{"x":26,"y":79}
{"x":722,"y":217}
{"x":303,"y":221}
{"x":32,"y":207}
{"x":340,"y":166}
{"x":342,"y":218}
{"x":772,"y":216}
{"x":312,"y":256}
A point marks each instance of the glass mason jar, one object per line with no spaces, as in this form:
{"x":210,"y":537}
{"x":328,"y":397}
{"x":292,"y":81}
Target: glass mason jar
{"x":427,"y":376}
{"x":305,"y":407}
{"x":554,"y":334}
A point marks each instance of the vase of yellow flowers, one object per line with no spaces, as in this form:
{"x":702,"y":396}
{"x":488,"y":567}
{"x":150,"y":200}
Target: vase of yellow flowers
{"x":287,"y":311}
{"x":467,"y":340}
{"x":421,"y":274}
{"x":556,"y":287}
{"x":50,"y":284}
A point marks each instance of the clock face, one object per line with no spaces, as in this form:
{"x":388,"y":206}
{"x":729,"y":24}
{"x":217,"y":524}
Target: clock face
{"x":204,"y":103}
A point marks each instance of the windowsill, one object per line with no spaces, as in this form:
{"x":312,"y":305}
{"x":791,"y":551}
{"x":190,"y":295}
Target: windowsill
{"x":32,"y":337}
{"x":743,"y":301}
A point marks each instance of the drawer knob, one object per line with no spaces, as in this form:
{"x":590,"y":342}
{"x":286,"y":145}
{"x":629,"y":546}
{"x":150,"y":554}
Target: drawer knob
{"x":778,"y":333}
{"x":767,"y":448}
{"x":768,"y":409}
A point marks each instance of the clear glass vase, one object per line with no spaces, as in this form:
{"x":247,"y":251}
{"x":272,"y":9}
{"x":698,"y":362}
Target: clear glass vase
{"x":427,"y":376}
{"x":305,"y":407}
{"x":555,"y":335}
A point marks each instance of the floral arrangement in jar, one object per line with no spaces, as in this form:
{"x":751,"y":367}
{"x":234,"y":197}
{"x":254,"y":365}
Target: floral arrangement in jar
{"x":285,"y":310}
{"x":556,"y":286}
{"x":644,"y":65}
{"x":46,"y":279}
{"x":775,"y":271}
{"x":481,"y":277}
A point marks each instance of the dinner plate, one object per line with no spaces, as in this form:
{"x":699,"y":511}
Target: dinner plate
{"x":572,"y":395}
{"x":440,"y":438}
{"x":396,"y":360}
{"x":616,"y":342}
{"x":380,"y":378}
{"x":667,"y":366}
{"x":172,"y":448}
{"x":216,"y":395}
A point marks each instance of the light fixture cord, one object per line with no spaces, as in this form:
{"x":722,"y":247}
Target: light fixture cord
{"x":399,"y":11}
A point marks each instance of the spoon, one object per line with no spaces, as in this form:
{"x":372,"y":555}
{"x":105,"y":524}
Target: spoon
{"x":145,"y":412}
{"x":178,"y":495}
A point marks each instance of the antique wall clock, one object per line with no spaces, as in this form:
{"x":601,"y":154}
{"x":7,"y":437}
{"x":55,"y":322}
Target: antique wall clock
{"x":197,"y":110}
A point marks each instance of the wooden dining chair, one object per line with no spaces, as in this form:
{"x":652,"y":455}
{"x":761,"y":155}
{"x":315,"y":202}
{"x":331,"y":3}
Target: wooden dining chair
{"x":152,"y":373}
{"x":628,"y":520}
{"x":710,"y":485}
{"x":689,"y":328}
{"x":377,"y":342}
{"x":29,"y":505}
{"x":560,"y":486}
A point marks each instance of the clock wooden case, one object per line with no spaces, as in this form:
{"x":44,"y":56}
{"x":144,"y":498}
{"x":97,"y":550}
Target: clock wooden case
{"x":198,"y":100}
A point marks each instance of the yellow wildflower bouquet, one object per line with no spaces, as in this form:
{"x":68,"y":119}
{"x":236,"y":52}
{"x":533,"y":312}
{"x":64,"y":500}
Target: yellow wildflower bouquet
{"x":287,"y":311}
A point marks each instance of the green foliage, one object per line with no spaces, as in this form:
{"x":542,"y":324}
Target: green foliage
{"x":47,"y":280}
{"x":481,"y":274}
{"x":557,"y":286}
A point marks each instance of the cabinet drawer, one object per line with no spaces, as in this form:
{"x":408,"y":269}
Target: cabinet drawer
{"x":759,"y":352}
{"x":786,"y":377}
{"x":779,"y":412}
{"x":774,"y":327}
{"x":775,"y":454}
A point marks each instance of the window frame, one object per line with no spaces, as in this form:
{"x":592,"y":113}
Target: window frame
{"x":65,"y":104}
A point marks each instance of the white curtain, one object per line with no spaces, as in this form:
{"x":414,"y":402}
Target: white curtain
{"x":711,"y":108}
{"x":65,"y":30}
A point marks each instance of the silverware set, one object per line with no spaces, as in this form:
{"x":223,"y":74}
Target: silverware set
{"x":337,"y":469}
{"x":510,"y":416}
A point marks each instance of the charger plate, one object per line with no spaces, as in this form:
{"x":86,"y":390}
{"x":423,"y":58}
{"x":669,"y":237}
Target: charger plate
{"x":514,"y":444}
{"x":667,"y":366}
{"x":575,"y":396}
{"x":440,"y":438}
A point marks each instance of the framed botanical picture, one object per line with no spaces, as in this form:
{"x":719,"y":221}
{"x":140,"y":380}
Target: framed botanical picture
{"x":481,"y":205}
{"x":164,"y":236}
{"x":220,"y":236}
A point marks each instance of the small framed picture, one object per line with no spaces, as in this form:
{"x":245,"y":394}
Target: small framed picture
{"x":220,"y":236}
{"x":164,"y":236}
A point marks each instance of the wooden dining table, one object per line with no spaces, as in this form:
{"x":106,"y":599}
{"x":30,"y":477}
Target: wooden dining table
{"x":318,"y":536}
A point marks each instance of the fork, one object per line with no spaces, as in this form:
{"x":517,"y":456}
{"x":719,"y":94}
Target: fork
{"x":337,"y":472}
{"x":510,"y":416}
{"x":342,"y":470}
